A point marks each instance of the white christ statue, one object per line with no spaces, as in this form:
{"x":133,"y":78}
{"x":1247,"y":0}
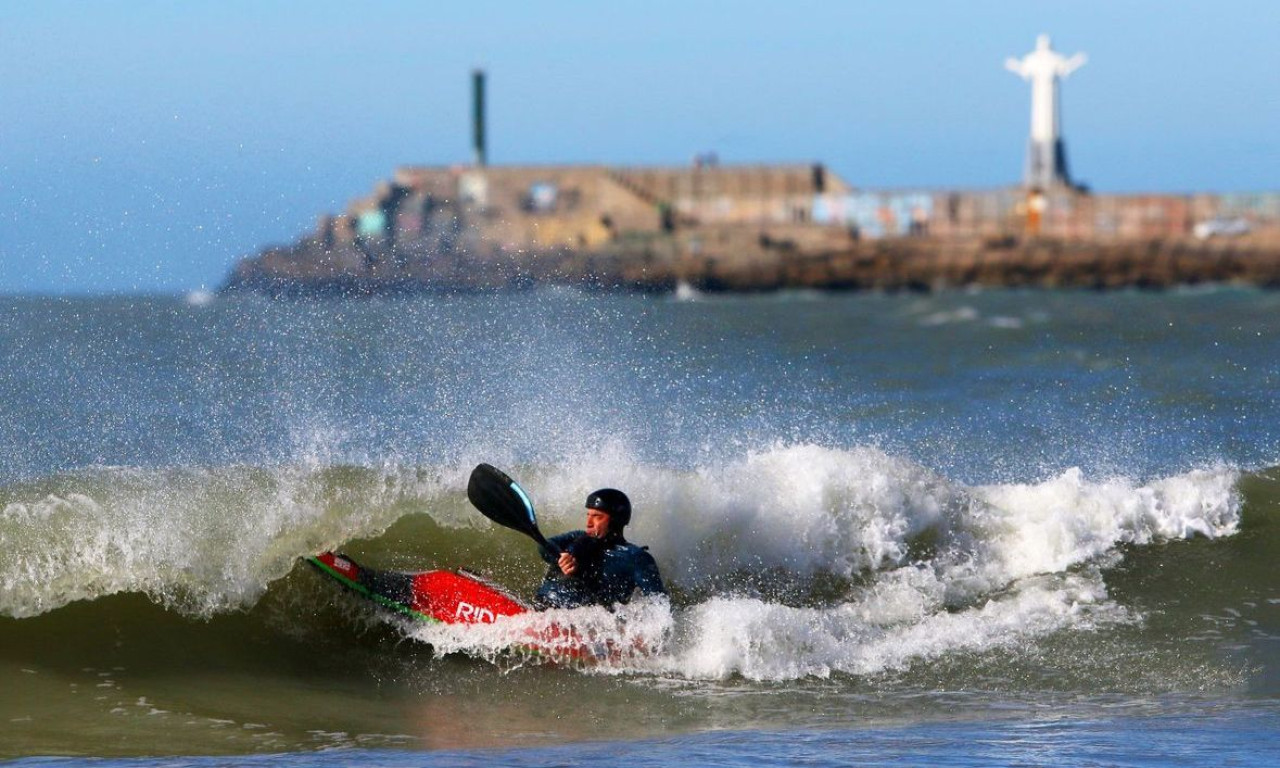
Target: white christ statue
{"x":1046,"y":154}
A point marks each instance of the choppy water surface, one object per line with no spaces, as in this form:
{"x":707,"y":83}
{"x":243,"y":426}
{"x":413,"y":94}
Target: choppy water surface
{"x":964,"y":529}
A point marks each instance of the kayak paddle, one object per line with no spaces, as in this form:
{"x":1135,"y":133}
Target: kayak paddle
{"x":503,"y":501}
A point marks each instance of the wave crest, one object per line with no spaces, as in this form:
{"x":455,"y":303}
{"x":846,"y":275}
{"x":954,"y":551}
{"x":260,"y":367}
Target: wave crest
{"x":795,"y":560}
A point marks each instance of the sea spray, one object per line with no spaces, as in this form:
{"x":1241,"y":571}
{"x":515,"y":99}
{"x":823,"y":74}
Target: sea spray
{"x":726,"y":637}
{"x":932,"y":567}
{"x":795,"y":561}
{"x":618,"y":639}
{"x":199,"y":541}
{"x":813,"y":509}
{"x":1050,"y":526}
{"x":863,"y":518}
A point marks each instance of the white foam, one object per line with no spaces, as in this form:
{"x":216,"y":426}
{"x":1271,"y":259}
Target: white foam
{"x":885,"y":633}
{"x":965,"y":314}
{"x":686,"y":292}
{"x":810,"y":509}
{"x":806,"y":508}
{"x":1050,"y":526}
{"x":201,"y":541}
{"x":886,"y":629}
{"x":200,"y":298}
{"x":951,"y":568}
{"x":930,"y":566}
{"x":618,"y":640}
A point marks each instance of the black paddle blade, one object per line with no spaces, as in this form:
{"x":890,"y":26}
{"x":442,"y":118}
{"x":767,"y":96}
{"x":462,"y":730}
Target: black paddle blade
{"x":503,"y":501}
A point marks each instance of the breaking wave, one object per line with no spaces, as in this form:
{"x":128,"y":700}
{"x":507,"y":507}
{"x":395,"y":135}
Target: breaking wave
{"x":796,"y":561}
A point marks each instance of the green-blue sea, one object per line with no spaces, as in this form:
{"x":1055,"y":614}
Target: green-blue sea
{"x":995,"y":528}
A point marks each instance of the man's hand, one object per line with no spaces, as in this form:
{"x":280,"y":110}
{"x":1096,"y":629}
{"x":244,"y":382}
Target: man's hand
{"x":568,"y":564}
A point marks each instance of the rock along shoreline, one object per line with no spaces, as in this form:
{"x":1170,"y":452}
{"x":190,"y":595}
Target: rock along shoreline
{"x":907,"y":264}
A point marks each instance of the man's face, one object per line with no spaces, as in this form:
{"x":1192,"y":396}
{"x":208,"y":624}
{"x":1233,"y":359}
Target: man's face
{"x":597,"y":523}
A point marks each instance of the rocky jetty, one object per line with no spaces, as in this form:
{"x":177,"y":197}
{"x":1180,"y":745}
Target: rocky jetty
{"x":655,"y":266}
{"x":757,"y":228}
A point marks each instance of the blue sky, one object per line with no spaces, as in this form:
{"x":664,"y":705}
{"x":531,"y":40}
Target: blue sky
{"x":145,"y":146}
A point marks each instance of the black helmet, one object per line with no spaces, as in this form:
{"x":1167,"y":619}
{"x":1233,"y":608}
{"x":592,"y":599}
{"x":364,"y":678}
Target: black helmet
{"x":614,"y":503}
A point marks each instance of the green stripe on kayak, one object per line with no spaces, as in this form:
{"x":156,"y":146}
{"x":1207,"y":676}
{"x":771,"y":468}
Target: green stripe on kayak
{"x":363,"y":590}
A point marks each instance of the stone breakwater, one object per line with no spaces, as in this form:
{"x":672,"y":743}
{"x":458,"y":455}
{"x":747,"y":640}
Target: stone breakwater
{"x":923,"y":265}
{"x":757,"y":228}
{"x":898,"y":264}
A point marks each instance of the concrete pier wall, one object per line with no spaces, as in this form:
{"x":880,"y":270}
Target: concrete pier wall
{"x":758,"y":228}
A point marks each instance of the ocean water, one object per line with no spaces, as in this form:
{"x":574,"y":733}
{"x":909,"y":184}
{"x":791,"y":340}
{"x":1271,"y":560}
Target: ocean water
{"x":957,"y":529}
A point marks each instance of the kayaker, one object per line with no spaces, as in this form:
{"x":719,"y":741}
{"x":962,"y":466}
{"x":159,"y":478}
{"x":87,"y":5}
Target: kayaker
{"x":598,"y":566}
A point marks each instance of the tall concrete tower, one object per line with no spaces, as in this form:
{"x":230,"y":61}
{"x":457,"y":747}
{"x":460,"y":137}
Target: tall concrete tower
{"x":1046,"y":153}
{"x":477,"y":118}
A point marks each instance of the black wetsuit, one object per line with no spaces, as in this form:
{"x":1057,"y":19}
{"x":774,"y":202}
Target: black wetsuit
{"x":609,"y":571}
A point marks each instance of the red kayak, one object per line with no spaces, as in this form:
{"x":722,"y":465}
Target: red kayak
{"x":451,"y":597}
{"x":456,"y":597}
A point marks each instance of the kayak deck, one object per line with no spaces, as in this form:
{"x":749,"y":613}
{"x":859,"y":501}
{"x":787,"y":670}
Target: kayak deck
{"x":449,"y":597}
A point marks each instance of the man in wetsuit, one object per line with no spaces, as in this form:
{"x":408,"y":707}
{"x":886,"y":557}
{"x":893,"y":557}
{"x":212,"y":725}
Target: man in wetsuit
{"x":598,"y":566}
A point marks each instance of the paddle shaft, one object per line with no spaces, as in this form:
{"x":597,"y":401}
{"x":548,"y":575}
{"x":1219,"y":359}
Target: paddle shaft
{"x":537,"y":536}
